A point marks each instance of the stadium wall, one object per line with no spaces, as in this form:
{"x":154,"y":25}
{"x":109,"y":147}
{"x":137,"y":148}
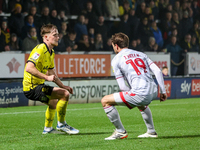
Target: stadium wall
{"x":92,"y":90}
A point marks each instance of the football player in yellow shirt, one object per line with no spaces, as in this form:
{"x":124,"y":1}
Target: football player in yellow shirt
{"x":40,"y":67}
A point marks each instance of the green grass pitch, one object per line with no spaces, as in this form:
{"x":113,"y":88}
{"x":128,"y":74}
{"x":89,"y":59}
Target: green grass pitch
{"x":177,"y":123}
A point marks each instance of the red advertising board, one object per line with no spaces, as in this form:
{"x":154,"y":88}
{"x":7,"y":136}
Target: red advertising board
{"x":167,"y":88}
{"x":195,"y":90}
{"x":161,"y":64}
{"x":91,"y":65}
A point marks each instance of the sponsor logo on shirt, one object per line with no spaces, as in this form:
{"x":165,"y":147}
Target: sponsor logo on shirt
{"x":36,"y":56}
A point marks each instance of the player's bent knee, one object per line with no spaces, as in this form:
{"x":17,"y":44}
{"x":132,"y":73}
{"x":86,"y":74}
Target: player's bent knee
{"x":141,"y":108}
{"x":52,"y":104}
{"x":104,"y":101}
{"x":66,"y":94}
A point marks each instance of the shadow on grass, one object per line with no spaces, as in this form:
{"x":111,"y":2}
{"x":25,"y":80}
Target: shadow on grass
{"x":160,"y":137}
{"x":92,"y":133}
{"x":181,"y":136}
{"x":169,"y":137}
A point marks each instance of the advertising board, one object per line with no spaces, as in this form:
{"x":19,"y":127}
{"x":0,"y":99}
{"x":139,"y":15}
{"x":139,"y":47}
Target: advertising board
{"x":90,"y":91}
{"x":12,"y":65}
{"x":193,"y":63}
{"x":11,"y":95}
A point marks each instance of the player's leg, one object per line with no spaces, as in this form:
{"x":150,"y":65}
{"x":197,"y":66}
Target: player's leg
{"x":148,"y":119}
{"x":108,"y":103}
{"x":42,"y":93}
{"x":49,"y":117}
{"x":63,"y":97}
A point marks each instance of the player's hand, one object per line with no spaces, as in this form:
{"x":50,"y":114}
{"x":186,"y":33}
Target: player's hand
{"x":68,"y":89}
{"x":163,"y":97}
{"x":51,"y":78}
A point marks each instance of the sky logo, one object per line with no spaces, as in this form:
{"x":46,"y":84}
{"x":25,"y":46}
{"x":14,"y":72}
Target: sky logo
{"x":185,"y":87}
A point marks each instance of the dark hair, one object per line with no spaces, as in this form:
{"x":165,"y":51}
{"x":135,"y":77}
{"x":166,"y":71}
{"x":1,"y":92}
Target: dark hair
{"x":28,"y":17}
{"x":164,"y":67}
{"x":72,"y":32}
{"x":31,"y":29}
{"x":47,"y":29}
{"x":173,"y":36}
{"x":120,"y":39}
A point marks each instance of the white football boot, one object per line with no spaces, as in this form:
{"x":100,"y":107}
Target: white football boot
{"x":67,"y":129}
{"x":117,"y":135}
{"x":148,"y":135}
{"x":52,"y":131}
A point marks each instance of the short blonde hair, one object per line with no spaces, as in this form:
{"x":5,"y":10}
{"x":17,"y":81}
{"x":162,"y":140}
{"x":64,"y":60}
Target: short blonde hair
{"x":45,"y":29}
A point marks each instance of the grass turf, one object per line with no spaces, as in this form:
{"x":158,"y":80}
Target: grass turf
{"x":177,"y":123}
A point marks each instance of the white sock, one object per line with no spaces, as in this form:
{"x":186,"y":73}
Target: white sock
{"x":48,"y":128}
{"x":147,"y":117}
{"x":61,"y":123}
{"x":114,"y":117}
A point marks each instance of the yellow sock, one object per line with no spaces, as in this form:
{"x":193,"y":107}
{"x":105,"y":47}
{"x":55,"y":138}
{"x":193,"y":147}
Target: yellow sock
{"x":49,"y":117}
{"x":61,"y":110}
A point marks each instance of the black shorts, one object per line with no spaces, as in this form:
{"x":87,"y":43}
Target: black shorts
{"x":40,"y":93}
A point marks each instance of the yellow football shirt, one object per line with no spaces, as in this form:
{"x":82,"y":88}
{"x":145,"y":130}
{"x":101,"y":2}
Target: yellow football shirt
{"x":43,"y":61}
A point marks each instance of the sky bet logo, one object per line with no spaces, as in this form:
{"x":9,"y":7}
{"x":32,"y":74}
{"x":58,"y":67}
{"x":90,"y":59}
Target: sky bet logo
{"x":13,"y":65}
{"x":194,"y":87}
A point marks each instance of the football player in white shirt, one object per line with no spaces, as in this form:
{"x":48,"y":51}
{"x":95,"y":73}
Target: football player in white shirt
{"x":132,"y":72}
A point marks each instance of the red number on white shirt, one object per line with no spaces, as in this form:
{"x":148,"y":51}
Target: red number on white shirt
{"x":137,"y":63}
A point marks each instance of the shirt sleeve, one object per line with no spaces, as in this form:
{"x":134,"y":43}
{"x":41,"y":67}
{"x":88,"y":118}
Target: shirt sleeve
{"x":36,"y":56}
{"x":119,"y":76}
{"x":159,"y":77}
{"x":116,"y":69}
{"x":122,"y":84}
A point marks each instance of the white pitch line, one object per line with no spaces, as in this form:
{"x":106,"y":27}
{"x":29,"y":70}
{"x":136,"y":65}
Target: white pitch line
{"x":28,"y":112}
{"x":25,"y":112}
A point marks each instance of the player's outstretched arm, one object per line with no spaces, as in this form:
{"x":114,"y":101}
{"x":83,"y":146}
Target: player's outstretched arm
{"x":59,"y":82}
{"x":159,"y":77}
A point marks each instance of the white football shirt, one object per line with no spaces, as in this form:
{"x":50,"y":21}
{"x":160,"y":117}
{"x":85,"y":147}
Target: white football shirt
{"x":133,"y":66}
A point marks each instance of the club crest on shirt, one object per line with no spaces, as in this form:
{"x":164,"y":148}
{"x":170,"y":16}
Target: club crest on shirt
{"x":36,"y":56}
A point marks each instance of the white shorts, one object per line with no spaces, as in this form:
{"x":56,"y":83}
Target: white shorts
{"x":132,"y":100}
